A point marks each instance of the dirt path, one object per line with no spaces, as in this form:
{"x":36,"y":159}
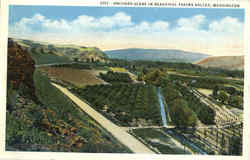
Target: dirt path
{"x":128,"y":140}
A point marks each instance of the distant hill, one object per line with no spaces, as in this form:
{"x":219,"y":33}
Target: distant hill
{"x":166,"y":55}
{"x":224,"y":62}
{"x":45,"y":53}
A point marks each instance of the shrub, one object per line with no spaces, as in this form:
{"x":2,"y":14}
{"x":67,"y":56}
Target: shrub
{"x":116,"y":77}
{"x":181,"y":114}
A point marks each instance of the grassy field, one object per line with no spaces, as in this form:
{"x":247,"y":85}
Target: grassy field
{"x":46,"y":58}
{"x":207,"y":92}
{"x":123,"y":70}
{"x":118,"y":69}
{"x":97,"y":72}
{"x":182,"y":74}
{"x":76,"y":77}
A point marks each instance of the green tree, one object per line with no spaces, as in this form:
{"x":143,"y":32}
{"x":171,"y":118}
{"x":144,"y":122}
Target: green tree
{"x":76,"y":59}
{"x":156,"y":77}
{"x":140,"y":77}
{"x":145,"y":70}
{"x":231,"y":90}
{"x":222,"y":96}
{"x":234,"y":146}
{"x":215,"y":91}
{"x":236,"y":101}
{"x":181,"y":114}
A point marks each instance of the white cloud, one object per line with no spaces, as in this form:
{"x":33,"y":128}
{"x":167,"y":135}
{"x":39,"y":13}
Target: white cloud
{"x":55,"y":25}
{"x":160,"y":25}
{"x":192,"y":23}
{"x":37,"y":24}
{"x":194,"y":33}
{"x":142,"y":27}
{"x":123,"y":22}
{"x":81,"y":23}
{"x":120,"y":19}
{"x":25,"y":24}
{"x":147,"y":27}
{"x":227,"y":24}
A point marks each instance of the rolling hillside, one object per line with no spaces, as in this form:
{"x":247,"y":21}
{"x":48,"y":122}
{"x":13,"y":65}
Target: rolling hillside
{"x":224,"y":62}
{"x":45,"y":53}
{"x":40,"y":118}
{"x":166,"y":55}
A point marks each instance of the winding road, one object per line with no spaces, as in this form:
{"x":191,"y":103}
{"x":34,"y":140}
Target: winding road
{"x":52,"y":64}
{"x":126,"y":139}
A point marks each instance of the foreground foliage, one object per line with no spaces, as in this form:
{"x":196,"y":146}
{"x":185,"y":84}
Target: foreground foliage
{"x":55,"y":124}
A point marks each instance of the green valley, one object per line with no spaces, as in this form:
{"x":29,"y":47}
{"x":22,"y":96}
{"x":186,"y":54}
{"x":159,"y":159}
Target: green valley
{"x":76,"y":99}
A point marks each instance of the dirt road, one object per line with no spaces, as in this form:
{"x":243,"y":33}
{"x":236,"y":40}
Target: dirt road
{"x":128,"y":140}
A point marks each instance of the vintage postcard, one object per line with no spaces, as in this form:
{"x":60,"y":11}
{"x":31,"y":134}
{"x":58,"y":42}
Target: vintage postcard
{"x":125,"y":77}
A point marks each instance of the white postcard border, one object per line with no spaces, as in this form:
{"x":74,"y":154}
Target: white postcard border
{"x":90,"y":156}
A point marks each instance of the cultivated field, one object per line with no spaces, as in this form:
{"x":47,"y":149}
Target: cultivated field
{"x":207,"y":92}
{"x":118,"y":69}
{"x":78,"y":77}
{"x":123,"y":70}
{"x":124,"y":104}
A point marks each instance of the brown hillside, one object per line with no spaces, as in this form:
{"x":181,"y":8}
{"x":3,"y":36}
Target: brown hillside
{"x":224,"y":62}
{"x":20,"y":67}
{"x":74,"y":76}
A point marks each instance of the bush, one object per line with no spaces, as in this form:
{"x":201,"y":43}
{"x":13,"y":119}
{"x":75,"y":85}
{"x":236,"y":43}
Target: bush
{"x":55,"y":124}
{"x":20,"y":135}
{"x":156,"y":77}
{"x":222,"y":96}
{"x":116,"y":77}
{"x":236,"y":101}
{"x":181,"y":114}
{"x":235,"y":146}
{"x":205,"y":114}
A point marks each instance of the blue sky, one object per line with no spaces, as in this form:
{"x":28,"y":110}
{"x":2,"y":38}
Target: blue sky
{"x":192,"y":29}
{"x":138,"y":14}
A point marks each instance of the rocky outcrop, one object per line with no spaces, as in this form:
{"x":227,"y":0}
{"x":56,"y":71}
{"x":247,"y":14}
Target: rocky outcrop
{"x":20,"y":68}
{"x":44,"y":53}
